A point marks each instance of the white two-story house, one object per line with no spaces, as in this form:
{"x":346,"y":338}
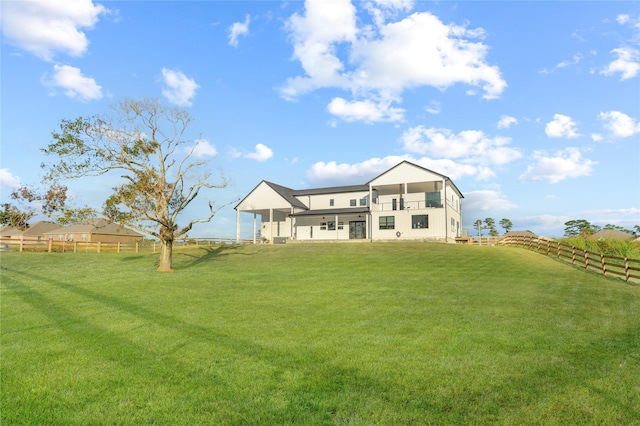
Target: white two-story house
{"x":407,"y":202}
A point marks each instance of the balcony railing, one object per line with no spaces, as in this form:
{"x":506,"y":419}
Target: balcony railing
{"x":406,"y":205}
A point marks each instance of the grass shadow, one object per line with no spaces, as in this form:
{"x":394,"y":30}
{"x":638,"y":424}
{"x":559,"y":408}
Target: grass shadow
{"x":210,"y":254}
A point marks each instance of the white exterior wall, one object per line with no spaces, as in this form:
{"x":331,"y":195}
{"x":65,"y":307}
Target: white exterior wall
{"x":341,"y":201}
{"x":403,"y":224}
{"x":304,"y":225}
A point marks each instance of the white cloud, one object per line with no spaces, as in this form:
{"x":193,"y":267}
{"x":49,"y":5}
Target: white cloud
{"x":44,"y":27}
{"x":506,"y":122}
{"x":332,"y":173}
{"x":418,"y":50}
{"x":596,"y":137}
{"x":433,"y":108}
{"x":8,"y":180}
{"x":471,"y":146}
{"x":74,"y":84}
{"x":564,"y":164}
{"x":261,"y":153}
{"x":562,"y":126}
{"x":179,"y":89}
{"x":620,"y":124}
{"x":202,"y":148}
{"x":485,"y":200}
{"x":627,"y":64}
{"x":575,"y":60}
{"x":367,"y":110}
{"x":238,"y":29}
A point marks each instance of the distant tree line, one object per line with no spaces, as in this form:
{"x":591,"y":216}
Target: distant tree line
{"x":573,"y":228}
{"x":583,"y":228}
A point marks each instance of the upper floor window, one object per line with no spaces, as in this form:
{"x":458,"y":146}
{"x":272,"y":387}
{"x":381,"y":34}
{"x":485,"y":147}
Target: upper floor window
{"x":363,"y":201}
{"x":331,"y":202}
{"x":433,"y":199}
{"x":352,"y":203}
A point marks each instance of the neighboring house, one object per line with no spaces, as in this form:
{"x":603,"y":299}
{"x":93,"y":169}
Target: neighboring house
{"x":94,"y":230}
{"x":519,"y":234}
{"x":613,"y":234}
{"x":34,"y":232}
{"x":406,"y":202}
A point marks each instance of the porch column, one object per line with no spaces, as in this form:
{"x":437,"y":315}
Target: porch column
{"x":254,"y":228}
{"x":238,"y":226}
{"x":337,"y":227}
{"x":271,"y":224}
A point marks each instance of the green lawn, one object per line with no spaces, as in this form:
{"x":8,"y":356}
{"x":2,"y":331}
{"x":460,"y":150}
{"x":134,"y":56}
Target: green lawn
{"x":371,"y":333}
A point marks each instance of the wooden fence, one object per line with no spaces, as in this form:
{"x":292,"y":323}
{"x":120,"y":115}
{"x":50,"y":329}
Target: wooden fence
{"x":622,"y":267}
{"x":54,"y":246}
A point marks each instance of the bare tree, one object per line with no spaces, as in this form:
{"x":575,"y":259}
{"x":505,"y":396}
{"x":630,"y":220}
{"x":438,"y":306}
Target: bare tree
{"x":144,"y":141}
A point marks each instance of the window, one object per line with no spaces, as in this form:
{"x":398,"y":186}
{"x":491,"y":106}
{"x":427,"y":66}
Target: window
{"x":331,"y":202}
{"x":340,"y":225}
{"x":331,"y":225}
{"x":352,"y":203}
{"x":84,"y":237}
{"x":363,"y":201}
{"x":419,"y":221}
{"x":387,"y":222}
{"x":433,"y":199}
{"x":323,"y":226}
{"x":394,"y":204}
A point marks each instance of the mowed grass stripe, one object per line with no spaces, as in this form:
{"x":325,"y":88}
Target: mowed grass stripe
{"x":372,"y":333}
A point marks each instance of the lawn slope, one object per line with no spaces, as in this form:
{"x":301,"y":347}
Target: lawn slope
{"x":372,"y":333}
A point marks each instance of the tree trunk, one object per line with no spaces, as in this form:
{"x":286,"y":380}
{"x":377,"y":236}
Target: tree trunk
{"x":166,"y":256}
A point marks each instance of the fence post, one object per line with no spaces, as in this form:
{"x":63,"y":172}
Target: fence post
{"x":21,"y":245}
{"x":626,"y":269}
{"x":586,"y":259}
{"x":118,"y":246}
{"x":50,"y":245}
{"x":604,"y":265}
{"x":137,"y":248}
{"x":573,"y":255}
{"x":99,"y":246}
{"x":75,"y":246}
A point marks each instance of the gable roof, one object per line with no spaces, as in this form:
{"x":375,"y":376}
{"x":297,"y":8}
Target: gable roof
{"x":519,"y":234}
{"x":40,"y":228}
{"x":611,"y":234}
{"x":288,"y":194}
{"x":95,"y":226}
{"x":422,"y":168}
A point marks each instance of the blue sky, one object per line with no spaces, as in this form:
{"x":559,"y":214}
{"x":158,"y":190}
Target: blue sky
{"x":531,"y":108}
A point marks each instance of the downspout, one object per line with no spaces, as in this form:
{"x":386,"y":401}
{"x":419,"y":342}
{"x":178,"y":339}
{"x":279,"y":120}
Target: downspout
{"x":446,"y":222}
{"x":370,"y":216}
